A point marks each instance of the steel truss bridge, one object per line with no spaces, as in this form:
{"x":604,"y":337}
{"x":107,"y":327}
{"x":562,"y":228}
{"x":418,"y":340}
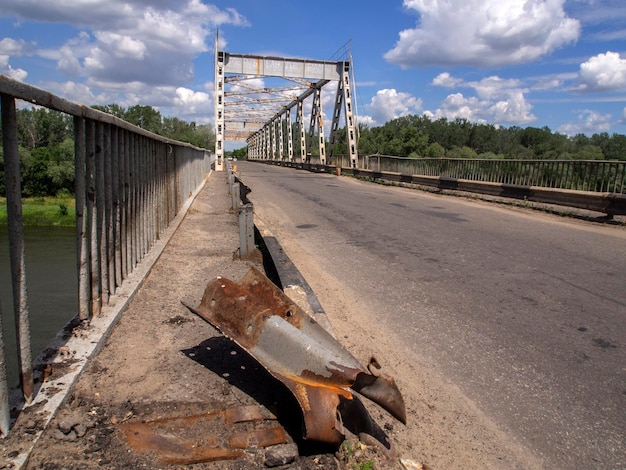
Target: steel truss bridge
{"x":245,"y":109}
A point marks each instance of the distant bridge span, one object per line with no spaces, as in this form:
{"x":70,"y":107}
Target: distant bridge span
{"x":262,"y":115}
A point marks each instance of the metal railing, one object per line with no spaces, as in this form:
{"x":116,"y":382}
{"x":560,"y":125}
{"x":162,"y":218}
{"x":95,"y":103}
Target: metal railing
{"x":580,"y":175}
{"x":129,"y":186}
{"x":592,"y":185}
{"x":606,"y":176}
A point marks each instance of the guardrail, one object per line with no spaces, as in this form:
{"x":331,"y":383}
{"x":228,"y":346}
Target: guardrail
{"x":129,"y":186}
{"x":610,"y":203}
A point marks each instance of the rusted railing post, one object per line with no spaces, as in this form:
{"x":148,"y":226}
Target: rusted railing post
{"x":16,"y":243}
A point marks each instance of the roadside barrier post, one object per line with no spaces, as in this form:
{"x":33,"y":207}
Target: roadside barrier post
{"x":235,"y":193}
{"x":246,"y":231}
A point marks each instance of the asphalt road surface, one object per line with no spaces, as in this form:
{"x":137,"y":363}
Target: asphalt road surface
{"x":524,"y":312}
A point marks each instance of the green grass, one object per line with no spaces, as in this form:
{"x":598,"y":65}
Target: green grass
{"x":44,"y":211}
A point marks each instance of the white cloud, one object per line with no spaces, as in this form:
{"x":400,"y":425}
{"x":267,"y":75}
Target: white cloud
{"x":389,"y":104}
{"x":124,"y":41}
{"x":495,"y":87}
{"x":601,"y":73}
{"x":446,"y":80}
{"x":6,"y":69}
{"x":622,"y":119}
{"x":497,"y":100}
{"x":589,"y":122}
{"x":78,"y":93}
{"x":458,"y":106}
{"x":483,"y":32}
{"x":197,"y":105}
{"x":547,"y":83}
{"x":122,"y":45}
{"x":10,"y":47}
{"x":513,"y":110}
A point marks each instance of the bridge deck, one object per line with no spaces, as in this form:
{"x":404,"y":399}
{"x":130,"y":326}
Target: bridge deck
{"x":161,"y":361}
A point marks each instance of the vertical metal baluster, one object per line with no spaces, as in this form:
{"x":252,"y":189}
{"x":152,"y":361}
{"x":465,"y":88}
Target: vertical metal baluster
{"x":152,"y":193}
{"x":142,"y":197}
{"x":132,"y":201}
{"x":92,"y":209}
{"x":109,"y":149}
{"x":173,"y":181}
{"x":115,"y":194}
{"x":82,"y":225}
{"x":16,"y":244}
{"x":101,"y":212}
{"x":132,"y":219}
{"x":124,"y":201}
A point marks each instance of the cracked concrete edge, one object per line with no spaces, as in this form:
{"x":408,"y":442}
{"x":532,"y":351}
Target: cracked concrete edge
{"x":75,"y":354}
{"x":294,"y":284}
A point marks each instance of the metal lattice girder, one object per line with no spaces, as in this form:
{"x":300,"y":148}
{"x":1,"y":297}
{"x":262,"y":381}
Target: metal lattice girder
{"x":252,"y":111}
{"x":344,"y":97}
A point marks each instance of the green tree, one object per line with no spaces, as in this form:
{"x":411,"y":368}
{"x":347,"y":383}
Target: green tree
{"x":40,"y":127}
{"x":461,"y":152}
{"x":114,"y":109}
{"x":49,"y":170}
{"x":590,"y":152}
{"x":240,"y":153}
{"x":435,"y":150}
{"x":145,"y":117}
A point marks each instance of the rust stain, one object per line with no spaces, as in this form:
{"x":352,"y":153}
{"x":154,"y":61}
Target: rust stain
{"x":258,"y":438}
{"x":201,"y":438}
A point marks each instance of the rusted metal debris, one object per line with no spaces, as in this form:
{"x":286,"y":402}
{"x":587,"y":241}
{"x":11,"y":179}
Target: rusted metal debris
{"x":295,"y":349}
{"x":195,"y":439}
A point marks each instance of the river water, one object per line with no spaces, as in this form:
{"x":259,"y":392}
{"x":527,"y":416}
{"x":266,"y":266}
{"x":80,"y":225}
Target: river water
{"x":52,"y":287}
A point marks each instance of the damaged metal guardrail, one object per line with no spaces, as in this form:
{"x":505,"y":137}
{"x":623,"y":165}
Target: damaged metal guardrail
{"x":296,"y":350}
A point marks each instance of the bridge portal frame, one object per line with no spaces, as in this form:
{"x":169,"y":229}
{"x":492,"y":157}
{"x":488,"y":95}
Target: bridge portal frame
{"x":261,"y":122}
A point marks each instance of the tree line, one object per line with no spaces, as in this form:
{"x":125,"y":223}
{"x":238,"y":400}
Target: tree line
{"x":46,"y":144}
{"x":421,"y":137}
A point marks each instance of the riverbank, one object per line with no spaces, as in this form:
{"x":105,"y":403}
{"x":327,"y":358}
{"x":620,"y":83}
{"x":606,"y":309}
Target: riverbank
{"x":44,"y":211}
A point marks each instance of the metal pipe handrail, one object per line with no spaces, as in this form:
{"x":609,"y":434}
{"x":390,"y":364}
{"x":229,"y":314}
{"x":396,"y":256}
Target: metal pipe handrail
{"x":129,"y":184}
{"x":606,"y":202}
{"x":605,"y":176}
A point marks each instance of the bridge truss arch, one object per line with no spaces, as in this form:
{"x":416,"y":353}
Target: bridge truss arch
{"x":271,"y":118}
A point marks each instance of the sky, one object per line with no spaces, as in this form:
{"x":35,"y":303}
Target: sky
{"x":554,"y":63}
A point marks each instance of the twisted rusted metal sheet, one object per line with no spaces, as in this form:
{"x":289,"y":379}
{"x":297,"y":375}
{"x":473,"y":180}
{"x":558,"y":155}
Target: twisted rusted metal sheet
{"x":206,"y":437}
{"x":296,"y":350}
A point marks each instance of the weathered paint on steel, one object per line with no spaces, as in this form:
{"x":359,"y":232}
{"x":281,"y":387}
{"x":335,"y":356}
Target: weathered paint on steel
{"x":296,"y":350}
